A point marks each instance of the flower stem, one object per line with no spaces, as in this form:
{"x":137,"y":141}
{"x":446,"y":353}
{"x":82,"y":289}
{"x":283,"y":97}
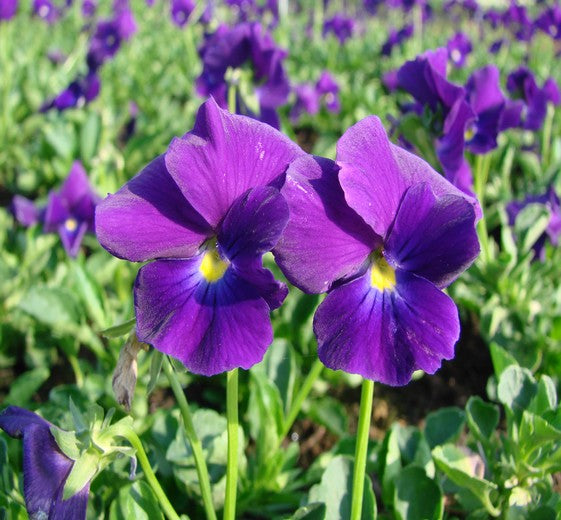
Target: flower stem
{"x":168,"y":509}
{"x":482,"y":166}
{"x":361,"y":447}
{"x":232,"y":464}
{"x":301,"y":397}
{"x":546,"y":136}
{"x":196,"y":445}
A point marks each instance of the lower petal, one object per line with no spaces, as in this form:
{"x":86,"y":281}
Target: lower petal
{"x":211,"y":327}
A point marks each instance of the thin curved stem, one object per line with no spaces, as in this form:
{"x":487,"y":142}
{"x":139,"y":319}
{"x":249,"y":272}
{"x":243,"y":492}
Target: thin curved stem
{"x":168,"y":509}
{"x":196,"y":445}
{"x":232,"y":464}
{"x":361,"y":449}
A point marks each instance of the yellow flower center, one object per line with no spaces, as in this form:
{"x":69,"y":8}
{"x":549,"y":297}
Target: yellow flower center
{"x":212,"y":266}
{"x":71,"y":224}
{"x":382,"y":275}
{"x":469,"y":133}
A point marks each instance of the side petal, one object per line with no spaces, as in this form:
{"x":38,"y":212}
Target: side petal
{"x":369,"y":175}
{"x":253,"y":224}
{"x":76,"y":186}
{"x":209,"y":327}
{"x":25,"y":211}
{"x":149,"y":218}
{"x":325,"y":240}
{"x":224,"y":156}
{"x":56,"y":212}
{"x":433,"y":237}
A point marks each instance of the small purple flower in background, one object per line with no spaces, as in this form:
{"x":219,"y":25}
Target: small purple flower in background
{"x":521,"y":84}
{"x":495,"y":47}
{"x":396,"y":38}
{"x":307,"y":100}
{"x":69,"y":211}
{"x":459,"y":46}
{"x":8,"y":9}
{"x":80,"y":92}
{"x":45,"y":467}
{"x":516,"y":19}
{"x":46,"y":10}
{"x":341,"y":26}
{"x":181,"y":10}
{"x":553,"y":231}
{"x":327,"y":87}
{"x":550,"y":21}
{"x":205,"y":212}
{"x":89,"y":7}
{"x":382,"y":233}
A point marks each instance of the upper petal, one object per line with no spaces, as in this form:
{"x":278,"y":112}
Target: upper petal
{"x":253,"y":224}
{"x":224,"y":156}
{"x":210,"y":327}
{"x":150,"y":218}
{"x":433,"y":237}
{"x":325,"y":240}
{"x":369,"y":175}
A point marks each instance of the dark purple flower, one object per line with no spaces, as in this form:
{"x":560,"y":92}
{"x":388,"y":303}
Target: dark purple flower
{"x":459,"y":46}
{"x":45,"y":468}
{"x":8,"y":9}
{"x":327,"y":87}
{"x":521,"y":84}
{"x":383,"y":234}
{"x":550,"y":21}
{"x":553,"y":231}
{"x":205,"y":211}
{"x":231,"y":48}
{"x":70,"y":211}
{"x":81,"y":91}
{"x":495,"y":47}
{"x":516,"y":19}
{"x":307,"y":100}
{"x":46,"y":10}
{"x":341,"y":26}
{"x":89,"y":7}
{"x":181,"y":10}
{"x":396,"y":38}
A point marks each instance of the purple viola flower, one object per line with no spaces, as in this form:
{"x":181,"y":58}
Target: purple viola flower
{"x":550,"y":21}
{"x":307,"y":100}
{"x":459,"y":46}
{"x":396,"y":38}
{"x":521,"y":84}
{"x":181,"y":10}
{"x":70,"y":211}
{"x":382,"y":233}
{"x":341,"y":26}
{"x":46,"y":10}
{"x":553,"y":231}
{"x":517,"y":19}
{"x":80,"y":92}
{"x":8,"y":9}
{"x":45,"y":468}
{"x":205,"y":211}
{"x":328,"y":88}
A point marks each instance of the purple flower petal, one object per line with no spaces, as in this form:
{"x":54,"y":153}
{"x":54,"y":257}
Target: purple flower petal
{"x":223,"y":157}
{"x":253,"y":224}
{"x":71,"y":234}
{"x":149,"y":218}
{"x":386,"y":335}
{"x":25,"y":211}
{"x":434,"y":238}
{"x":324,"y":240}
{"x":56,"y":212}
{"x":369,"y":174}
{"x":271,"y":290}
{"x":45,"y":467}
{"x":211,"y":327}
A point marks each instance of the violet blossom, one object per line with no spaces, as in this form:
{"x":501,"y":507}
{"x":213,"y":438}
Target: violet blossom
{"x":205,"y":212}
{"x":341,"y":26}
{"x":459,"y":46}
{"x":382,"y":233}
{"x":46,"y":10}
{"x":8,"y":9}
{"x":181,"y":10}
{"x":328,"y":89}
{"x":45,"y":467}
{"x":80,"y":92}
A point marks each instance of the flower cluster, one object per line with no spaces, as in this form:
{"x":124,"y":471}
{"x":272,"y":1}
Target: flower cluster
{"x":378,"y":229}
{"x":69,"y":211}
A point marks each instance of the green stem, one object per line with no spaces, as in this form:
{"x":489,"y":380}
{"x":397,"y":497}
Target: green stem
{"x":546,"y":136}
{"x":196,"y":445}
{"x":232,"y":93}
{"x":301,"y":397}
{"x":232,"y":464}
{"x":361,"y":447}
{"x":78,"y":374}
{"x":132,"y":437}
{"x":482,"y":167}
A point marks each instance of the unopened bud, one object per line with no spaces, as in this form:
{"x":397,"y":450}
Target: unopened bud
{"x":124,"y":377}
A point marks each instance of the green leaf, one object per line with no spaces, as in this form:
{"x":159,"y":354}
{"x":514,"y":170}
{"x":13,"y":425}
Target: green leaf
{"x":51,"y":306}
{"x":155,"y":369}
{"x":67,"y":442}
{"x":62,"y":139}
{"x":482,"y":417}
{"x":391,"y":462}
{"x":444,"y":425}
{"x":546,"y":396}
{"x":530,"y":224}
{"x":25,"y":386}
{"x":501,"y":359}
{"x":90,"y":294}
{"x":315,"y":511}
{"x":83,"y":470}
{"x":516,"y":389}
{"x":117,"y":331}
{"x":6,"y":476}
{"x":89,"y":136}
{"x":458,"y":467}
{"x":417,"y":496}
{"x":280,"y":366}
{"x":136,"y":501}
{"x":335,"y":491}
{"x":330,"y":413}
